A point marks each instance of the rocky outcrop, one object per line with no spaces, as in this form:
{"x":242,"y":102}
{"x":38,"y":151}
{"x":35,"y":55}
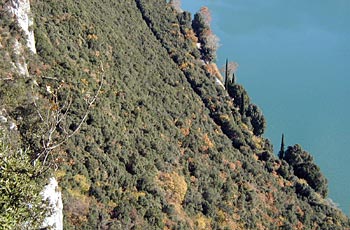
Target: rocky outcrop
{"x":20,"y":9}
{"x":52,"y":193}
{"x":6,"y":122}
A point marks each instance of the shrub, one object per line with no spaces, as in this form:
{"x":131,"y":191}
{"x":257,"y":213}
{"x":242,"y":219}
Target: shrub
{"x":21,"y":205}
{"x":305,"y":168}
{"x":257,"y":119}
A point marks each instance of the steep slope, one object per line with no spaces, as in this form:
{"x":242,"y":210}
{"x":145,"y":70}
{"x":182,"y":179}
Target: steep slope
{"x":163,"y":147}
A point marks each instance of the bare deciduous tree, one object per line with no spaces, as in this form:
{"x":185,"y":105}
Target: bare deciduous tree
{"x":231,"y":68}
{"x":206,"y":15}
{"x":209,"y":41}
{"x":55,"y":115}
{"x":212,"y":42}
{"x":176,"y":4}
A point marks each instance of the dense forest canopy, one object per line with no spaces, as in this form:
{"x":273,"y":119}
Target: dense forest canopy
{"x":121,"y":105}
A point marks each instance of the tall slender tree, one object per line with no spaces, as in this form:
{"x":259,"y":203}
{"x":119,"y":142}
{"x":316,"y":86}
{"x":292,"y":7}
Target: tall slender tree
{"x":226,"y":74}
{"x":281,"y":152}
{"x":242,"y":108}
{"x":229,"y":69}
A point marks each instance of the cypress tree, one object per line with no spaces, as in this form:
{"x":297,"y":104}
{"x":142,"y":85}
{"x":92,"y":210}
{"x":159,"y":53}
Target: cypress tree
{"x":226,"y":75}
{"x":242,"y":104}
{"x":281,"y":152}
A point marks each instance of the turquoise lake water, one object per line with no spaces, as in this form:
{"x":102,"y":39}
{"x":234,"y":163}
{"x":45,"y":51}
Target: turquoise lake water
{"x":294,"y":60}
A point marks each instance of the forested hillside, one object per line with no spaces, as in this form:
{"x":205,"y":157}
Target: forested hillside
{"x":121,"y":108}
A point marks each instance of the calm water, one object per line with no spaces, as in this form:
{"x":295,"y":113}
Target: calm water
{"x":294,"y":60}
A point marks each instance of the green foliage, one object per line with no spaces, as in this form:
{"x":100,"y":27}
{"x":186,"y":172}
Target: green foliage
{"x":281,"y":152}
{"x":230,"y":79}
{"x":163,"y":147}
{"x":21,"y":205}
{"x":305,"y":168}
{"x":239,"y":95}
{"x":257,"y":119}
{"x":199,"y":25}
{"x":248,"y":110}
{"x":209,"y":42}
{"x":185,"y":20}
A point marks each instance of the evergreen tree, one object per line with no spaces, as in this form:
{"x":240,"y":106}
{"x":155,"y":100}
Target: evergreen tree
{"x":281,"y":152}
{"x":257,"y":119}
{"x":185,"y":21}
{"x":242,"y":106}
{"x":304,"y":167}
{"x":230,"y":68}
{"x":199,"y":25}
{"x":226,"y":74}
{"x":208,"y":40}
{"x":21,"y":205}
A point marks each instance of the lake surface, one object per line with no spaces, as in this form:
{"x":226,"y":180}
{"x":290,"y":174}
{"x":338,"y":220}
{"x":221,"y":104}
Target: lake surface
{"x":294,"y":60}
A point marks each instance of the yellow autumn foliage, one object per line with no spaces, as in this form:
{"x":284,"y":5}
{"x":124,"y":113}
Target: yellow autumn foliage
{"x":174,"y":185}
{"x":83,"y":183}
{"x":202,"y":222}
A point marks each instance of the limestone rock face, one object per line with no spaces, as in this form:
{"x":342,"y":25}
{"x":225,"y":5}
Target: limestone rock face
{"x":21,"y":10}
{"x":54,"y":196}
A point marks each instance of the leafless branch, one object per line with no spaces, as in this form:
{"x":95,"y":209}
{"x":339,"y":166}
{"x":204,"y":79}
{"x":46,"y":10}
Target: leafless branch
{"x":176,"y":4}
{"x":90,"y":103}
{"x":54,"y":117}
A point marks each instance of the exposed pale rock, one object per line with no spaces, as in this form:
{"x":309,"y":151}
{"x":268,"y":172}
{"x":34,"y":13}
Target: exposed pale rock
{"x":3,"y":119}
{"x":13,"y":126}
{"x":219,"y":83}
{"x":21,"y":64}
{"x":21,"y":10}
{"x":53,"y":195}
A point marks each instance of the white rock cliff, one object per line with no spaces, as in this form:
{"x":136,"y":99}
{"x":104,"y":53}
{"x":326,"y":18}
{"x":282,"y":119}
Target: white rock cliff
{"x":53,"y":195}
{"x":20,"y":10}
